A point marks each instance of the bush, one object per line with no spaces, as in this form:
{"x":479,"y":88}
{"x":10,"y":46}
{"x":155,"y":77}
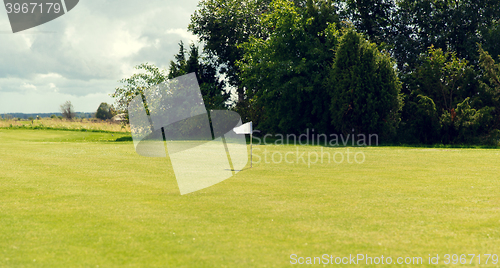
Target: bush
{"x":105,"y":111}
{"x":420,"y":122}
{"x":467,"y":125}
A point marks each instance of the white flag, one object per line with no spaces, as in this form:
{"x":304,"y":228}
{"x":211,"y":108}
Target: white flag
{"x":243,"y":129}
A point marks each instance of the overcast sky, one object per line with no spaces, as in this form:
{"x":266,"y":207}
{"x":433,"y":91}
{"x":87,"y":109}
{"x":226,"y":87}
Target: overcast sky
{"x":81,"y":55}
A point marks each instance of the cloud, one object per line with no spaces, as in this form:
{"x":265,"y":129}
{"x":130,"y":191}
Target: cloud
{"x":182,"y":33}
{"x":28,"y":86}
{"x":86,"y":51}
{"x":52,"y":82}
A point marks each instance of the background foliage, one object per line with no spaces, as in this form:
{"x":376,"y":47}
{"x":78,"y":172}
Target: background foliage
{"x":411,"y":71}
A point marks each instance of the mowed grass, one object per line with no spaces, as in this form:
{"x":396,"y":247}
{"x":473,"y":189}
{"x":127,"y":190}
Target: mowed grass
{"x":66,"y":201}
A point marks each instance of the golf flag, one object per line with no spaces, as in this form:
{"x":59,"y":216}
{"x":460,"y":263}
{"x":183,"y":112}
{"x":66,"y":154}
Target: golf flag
{"x":244,"y":129}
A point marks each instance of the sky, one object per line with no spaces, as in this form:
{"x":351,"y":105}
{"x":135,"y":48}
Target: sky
{"x":82,"y":55}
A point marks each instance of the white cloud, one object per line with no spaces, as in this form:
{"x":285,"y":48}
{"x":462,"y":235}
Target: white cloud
{"x":84,"y":53}
{"x":28,"y":86}
{"x":49,"y":76}
{"x":183,"y":33}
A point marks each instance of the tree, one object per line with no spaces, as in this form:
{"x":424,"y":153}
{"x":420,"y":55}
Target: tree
{"x":489,"y":84}
{"x":136,"y":84}
{"x":492,"y":39}
{"x":443,"y":77}
{"x":409,"y":27}
{"x":419,"y":120}
{"x":105,"y":111}
{"x":211,"y":85}
{"x":466,"y":101}
{"x":67,"y":110}
{"x":490,"y":73}
{"x":365,"y":89}
{"x":450,"y":25}
{"x":223,"y":25}
{"x":374,"y":18}
{"x":284,"y":73}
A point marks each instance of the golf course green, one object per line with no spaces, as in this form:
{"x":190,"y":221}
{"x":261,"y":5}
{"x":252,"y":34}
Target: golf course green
{"x":84,"y":199}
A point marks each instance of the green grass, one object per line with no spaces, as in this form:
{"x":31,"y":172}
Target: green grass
{"x":80,"y":199}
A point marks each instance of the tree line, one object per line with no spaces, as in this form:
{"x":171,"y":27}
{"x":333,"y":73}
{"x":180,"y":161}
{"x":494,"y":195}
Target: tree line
{"x":409,"y":71}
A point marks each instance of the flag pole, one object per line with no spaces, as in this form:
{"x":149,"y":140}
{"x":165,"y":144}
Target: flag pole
{"x":251,"y":132}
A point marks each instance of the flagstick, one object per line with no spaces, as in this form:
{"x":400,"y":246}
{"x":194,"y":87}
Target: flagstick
{"x":251,"y":141}
{"x":251,"y":147}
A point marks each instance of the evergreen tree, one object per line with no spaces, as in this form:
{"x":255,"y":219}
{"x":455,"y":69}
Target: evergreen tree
{"x":211,"y":86}
{"x":365,"y":89}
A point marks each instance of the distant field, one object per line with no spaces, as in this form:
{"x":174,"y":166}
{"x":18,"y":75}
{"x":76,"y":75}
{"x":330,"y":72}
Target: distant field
{"x":81,"y":199}
{"x":76,"y":124}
